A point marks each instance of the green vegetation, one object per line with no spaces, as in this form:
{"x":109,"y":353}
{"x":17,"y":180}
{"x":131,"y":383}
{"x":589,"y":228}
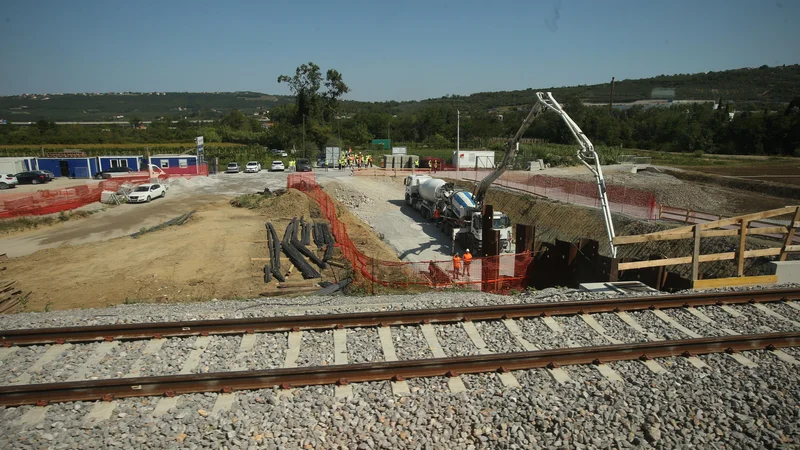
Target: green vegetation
{"x":9,"y":226}
{"x":767,"y":123}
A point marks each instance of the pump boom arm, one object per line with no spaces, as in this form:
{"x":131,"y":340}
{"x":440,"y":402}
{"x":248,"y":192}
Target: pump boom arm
{"x":588,"y":157}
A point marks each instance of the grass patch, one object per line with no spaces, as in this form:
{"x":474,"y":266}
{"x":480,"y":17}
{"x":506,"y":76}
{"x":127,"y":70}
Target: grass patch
{"x":8,"y":226}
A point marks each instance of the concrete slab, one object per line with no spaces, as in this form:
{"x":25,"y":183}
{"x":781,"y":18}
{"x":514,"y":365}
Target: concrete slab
{"x":552,"y":324}
{"x":340,"y":358}
{"x":100,"y":411}
{"x":153,"y":346}
{"x":5,"y":352}
{"x":794,"y":305}
{"x":787,"y":271}
{"x":224,"y":402}
{"x":785,"y":357}
{"x":389,"y":354}
{"x":699,"y":314}
{"x":293,"y":352}
{"x":456,"y":384}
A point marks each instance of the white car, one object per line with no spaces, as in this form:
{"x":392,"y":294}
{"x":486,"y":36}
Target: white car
{"x":233,"y":168}
{"x":146,"y":192}
{"x":277,"y":165}
{"x":8,"y":180}
{"x":252,"y":167}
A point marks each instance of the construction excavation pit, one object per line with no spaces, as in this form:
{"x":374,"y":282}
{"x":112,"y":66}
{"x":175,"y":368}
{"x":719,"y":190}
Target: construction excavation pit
{"x":409,"y":308}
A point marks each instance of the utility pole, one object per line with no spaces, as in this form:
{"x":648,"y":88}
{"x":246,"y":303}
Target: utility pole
{"x":389,"y":129}
{"x":304,"y":136}
{"x":458,"y":142}
{"x":611,"y":102}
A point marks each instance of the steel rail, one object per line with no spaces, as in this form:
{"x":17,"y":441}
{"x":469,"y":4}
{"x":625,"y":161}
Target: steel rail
{"x":380,"y":318}
{"x":225,"y":382}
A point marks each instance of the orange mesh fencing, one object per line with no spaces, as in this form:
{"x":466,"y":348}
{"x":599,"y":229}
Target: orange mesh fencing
{"x":57,"y":200}
{"x":500,"y":274}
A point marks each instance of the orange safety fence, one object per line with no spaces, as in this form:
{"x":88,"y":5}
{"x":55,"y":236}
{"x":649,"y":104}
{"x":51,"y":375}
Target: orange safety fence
{"x":57,"y":200}
{"x":502,"y":273}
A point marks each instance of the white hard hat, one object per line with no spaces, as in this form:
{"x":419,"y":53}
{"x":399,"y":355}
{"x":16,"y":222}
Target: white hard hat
{"x":467,"y":250}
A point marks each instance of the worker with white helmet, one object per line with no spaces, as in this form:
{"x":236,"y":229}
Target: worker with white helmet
{"x":467,"y":258}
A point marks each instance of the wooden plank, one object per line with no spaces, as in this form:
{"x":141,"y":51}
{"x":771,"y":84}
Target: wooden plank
{"x":734,"y":220}
{"x":735,"y":281}
{"x":787,"y":244}
{"x":792,"y":248}
{"x":742,"y":248}
{"x":672,"y":235}
{"x":696,"y":254}
{"x":654,"y":263}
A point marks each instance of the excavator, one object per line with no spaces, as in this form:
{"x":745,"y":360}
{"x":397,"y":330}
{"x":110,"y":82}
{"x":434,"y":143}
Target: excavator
{"x":586,"y":154}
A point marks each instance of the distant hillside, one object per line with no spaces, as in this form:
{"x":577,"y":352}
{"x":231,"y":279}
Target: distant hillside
{"x":764,"y":85}
{"x":145,"y":106}
{"x":758,"y":85}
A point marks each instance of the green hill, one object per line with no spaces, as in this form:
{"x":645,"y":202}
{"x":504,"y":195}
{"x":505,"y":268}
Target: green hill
{"x":763,"y":85}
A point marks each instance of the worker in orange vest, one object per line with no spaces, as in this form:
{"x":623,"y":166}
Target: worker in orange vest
{"x":456,"y":266}
{"x":437,"y":217}
{"x":467,"y":261}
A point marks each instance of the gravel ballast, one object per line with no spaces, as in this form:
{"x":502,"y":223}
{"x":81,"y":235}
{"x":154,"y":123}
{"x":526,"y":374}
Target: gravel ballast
{"x":726,"y":405}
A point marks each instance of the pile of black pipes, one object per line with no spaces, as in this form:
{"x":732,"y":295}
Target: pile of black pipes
{"x":274,"y":246}
{"x":328,"y":237}
{"x":290,"y":246}
{"x":304,"y":250}
{"x":305,"y":233}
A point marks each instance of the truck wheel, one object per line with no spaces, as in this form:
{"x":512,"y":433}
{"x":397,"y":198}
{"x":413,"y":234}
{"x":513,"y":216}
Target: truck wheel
{"x":408,"y":200}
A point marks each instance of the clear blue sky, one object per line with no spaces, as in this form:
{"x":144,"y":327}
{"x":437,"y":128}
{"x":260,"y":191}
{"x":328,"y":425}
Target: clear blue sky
{"x":398,"y":50}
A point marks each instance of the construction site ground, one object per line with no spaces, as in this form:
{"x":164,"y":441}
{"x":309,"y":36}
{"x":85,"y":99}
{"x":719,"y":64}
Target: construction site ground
{"x":93,"y":262}
{"x":672,"y":191}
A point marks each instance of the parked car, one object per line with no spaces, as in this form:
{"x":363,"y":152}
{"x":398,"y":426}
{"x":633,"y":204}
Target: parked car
{"x":277,"y":165}
{"x":252,"y":167}
{"x":146,"y":192}
{"x":7,"y":180}
{"x":113,"y":172}
{"x":233,"y":168}
{"x":303,"y":165}
{"x":32,"y":177}
{"x":279,"y":153}
{"x":50,"y":175}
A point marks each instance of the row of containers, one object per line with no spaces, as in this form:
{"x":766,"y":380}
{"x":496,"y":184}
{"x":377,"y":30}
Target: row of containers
{"x":90,"y":166}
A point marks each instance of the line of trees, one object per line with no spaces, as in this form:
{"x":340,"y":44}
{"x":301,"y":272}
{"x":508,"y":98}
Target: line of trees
{"x":315,"y":121}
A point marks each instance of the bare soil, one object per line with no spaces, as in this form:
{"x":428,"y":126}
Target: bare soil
{"x":208,"y":257}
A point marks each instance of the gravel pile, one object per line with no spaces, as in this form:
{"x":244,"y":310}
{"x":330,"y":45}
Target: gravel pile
{"x":580,"y":333}
{"x":269,"y":352}
{"x":651,"y":323}
{"x":410,"y":343}
{"x":618,"y":329}
{"x":220,"y":355}
{"x":691,"y":322}
{"x":455,"y":340}
{"x":119,"y":361}
{"x":16,"y":364}
{"x":497,"y":337}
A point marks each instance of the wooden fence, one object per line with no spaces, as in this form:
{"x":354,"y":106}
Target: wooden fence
{"x":741,"y":226}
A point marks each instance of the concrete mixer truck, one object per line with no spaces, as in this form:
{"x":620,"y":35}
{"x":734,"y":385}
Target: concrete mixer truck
{"x":460,"y":215}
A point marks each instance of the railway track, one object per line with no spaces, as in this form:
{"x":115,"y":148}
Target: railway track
{"x":342,"y":375}
{"x":397,"y":370}
{"x":38,"y":336}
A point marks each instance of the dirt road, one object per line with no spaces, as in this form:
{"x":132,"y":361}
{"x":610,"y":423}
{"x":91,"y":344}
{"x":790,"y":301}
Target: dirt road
{"x":380,"y":203}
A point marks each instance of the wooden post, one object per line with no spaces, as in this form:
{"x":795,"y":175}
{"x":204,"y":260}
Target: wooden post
{"x":660,"y":211}
{"x":742,"y":249}
{"x":687,"y":216}
{"x":696,"y":254}
{"x":790,"y":235}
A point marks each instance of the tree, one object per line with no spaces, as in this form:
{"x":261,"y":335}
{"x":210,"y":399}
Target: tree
{"x":305,"y":85}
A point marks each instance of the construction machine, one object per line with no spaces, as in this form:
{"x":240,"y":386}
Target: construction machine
{"x":461,"y":212}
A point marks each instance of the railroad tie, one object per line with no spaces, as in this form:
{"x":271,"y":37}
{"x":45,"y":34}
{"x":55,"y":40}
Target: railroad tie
{"x":596,"y":326}
{"x":730,"y":310}
{"x":36,"y":415}
{"x":456,"y":384}
{"x":795,"y":305}
{"x":225,"y":401}
{"x":628,"y":319}
{"x":399,"y":387}
{"x":559,"y":375}
{"x":604,"y":369}
{"x":340,"y":358}
{"x":102,"y":410}
{"x":191,"y":363}
{"x":507,"y":378}
{"x":766,"y":310}
{"x":738,"y":357}
{"x":100,"y":351}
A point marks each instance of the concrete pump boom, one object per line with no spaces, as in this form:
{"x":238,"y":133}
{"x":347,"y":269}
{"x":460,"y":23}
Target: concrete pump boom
{"x":511,"y":151}
{"x":588,"y":157}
